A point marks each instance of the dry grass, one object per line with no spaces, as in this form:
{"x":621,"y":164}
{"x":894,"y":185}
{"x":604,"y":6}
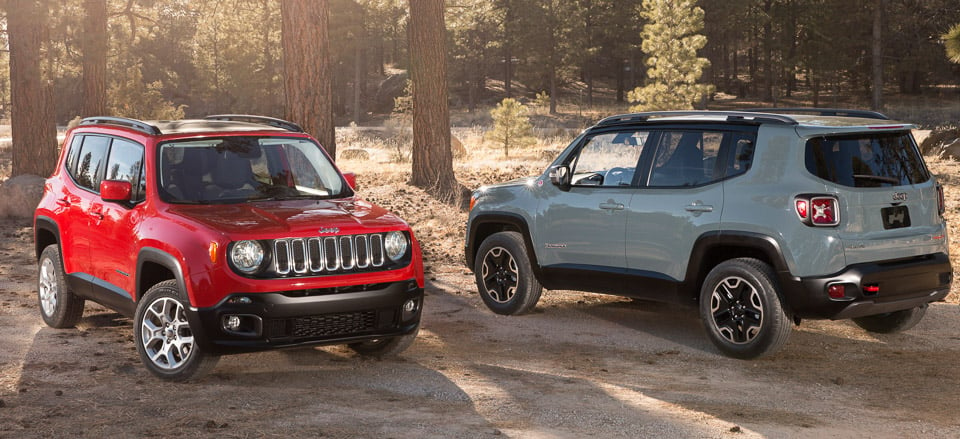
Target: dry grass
{"x":948,"y":174}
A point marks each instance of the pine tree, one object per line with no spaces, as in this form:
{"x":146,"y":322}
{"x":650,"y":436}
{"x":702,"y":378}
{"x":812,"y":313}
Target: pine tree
{"x":951,"y":40}
{"x":511,"y":126}
{"x":431,"y":158}
{"x":308,"y":75}
{"x":671,"y":41}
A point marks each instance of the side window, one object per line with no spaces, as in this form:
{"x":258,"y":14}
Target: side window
{"x":608,"y":159}
{"x":72,"y":154}
{"x":741,"y":153}
{"x":125,"y":163}
{"x":90,"y":162}
{"x":686,"y":158}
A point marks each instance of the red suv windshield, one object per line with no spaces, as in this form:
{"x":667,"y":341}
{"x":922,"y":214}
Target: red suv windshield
{"x":246,"y":168}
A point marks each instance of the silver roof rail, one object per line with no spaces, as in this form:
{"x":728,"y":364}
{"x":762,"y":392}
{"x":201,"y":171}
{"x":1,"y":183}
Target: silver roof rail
{"x":746,"y":116}
{"x":134,"y":124}
{"x":262,"y":120}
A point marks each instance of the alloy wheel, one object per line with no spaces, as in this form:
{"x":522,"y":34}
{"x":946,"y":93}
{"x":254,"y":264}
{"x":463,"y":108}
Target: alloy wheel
{"x":166,"y":335}
{"x":500,"y":274}
{"x":737,"y":310}
{"x":48,"y":287}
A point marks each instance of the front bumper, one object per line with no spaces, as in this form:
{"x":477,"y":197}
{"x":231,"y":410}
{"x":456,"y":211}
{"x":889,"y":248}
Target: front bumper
{"x":871,"y":288}
{"x":307,"y":317}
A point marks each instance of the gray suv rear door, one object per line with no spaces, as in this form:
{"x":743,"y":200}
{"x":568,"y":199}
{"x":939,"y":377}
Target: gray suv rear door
{"x":682,"y":197}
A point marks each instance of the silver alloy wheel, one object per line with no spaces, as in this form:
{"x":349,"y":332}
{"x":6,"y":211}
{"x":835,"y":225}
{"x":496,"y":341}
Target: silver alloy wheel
{"x":48,"y":287}
{"x":500,"y":275}
{"x":737,"y":310}
{"x":165,"y":334}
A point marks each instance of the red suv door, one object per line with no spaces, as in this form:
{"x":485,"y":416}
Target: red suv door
{"x":115,"y":253}
{"x":84,"y":206}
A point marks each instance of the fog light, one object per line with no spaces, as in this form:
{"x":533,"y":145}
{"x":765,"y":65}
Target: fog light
{"x":231,"y":323}
{"x":410,"y":306}
{"x":837,"y":291}
{"x":243,"y":300}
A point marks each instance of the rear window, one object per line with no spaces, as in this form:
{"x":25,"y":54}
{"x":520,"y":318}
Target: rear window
{"x":866,"y":160}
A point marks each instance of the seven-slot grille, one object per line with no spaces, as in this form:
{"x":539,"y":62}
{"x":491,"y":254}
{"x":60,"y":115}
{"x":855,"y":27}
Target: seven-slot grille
{"x":330,"y":254}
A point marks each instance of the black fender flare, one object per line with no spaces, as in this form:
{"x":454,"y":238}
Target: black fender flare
{"x":44,"y":223}
{"x":706,"y":254}
{"x":505,"y":218}
{"x":166,"y":260}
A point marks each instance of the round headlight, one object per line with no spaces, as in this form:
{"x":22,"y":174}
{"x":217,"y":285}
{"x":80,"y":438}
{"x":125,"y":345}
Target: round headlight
{"x":395,"y":244}
{"x":247,"y":256}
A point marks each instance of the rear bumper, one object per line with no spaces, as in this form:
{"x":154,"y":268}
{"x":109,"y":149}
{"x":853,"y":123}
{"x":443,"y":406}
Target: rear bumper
{"x":871,"y":288}
{"x":300,"y":318}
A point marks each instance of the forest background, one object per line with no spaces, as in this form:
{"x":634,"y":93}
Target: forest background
{"x":575,"y":60}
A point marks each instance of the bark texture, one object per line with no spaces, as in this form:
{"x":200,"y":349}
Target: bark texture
{"x":94,"y":45}
{"x":432,"y":157}
{"x":33,"y":125}
{"x":308,"y":76}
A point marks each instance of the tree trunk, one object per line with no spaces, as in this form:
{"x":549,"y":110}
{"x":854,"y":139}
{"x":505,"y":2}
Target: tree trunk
{"x":432,"y":167}
{"x":33,"y":126}
{"x":815,"y":85}
{"x":554,"y":90}
{"x":621,"y":80}
{"x":508,"y":51}
{"x":877,"y":101}
{"x":768,"y":52}
{"x":94,"y":44}
{"x":308,"y":78}
{"x":357,"y":80}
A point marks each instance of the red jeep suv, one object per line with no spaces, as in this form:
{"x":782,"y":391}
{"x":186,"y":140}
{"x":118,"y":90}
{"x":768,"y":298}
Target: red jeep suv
{"x":222,"y":235}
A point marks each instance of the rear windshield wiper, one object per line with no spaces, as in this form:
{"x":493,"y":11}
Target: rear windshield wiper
{"x":891,"y":180}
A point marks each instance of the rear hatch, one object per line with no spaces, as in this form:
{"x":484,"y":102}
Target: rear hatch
{"x":889,"y":203}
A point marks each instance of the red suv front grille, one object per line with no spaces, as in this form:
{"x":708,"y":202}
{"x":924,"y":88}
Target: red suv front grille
{"x":328,"y":255}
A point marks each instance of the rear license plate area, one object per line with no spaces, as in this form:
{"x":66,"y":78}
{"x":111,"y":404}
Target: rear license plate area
{"x":895,"y":217}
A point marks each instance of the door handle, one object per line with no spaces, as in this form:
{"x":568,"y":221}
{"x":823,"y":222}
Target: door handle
{"x":611,"y":206}
{"x":65,"y":202}
{"x":698,"y":207}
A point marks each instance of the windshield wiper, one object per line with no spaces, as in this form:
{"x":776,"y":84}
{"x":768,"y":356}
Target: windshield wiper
{"x":891,"y":180}
{"x":288,"y":197}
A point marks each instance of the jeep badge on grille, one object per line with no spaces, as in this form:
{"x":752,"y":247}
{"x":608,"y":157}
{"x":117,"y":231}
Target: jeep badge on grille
{"x":329,"y":230}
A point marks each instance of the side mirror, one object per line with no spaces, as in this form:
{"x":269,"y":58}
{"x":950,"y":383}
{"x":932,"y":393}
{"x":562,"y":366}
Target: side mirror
{"x":560,"y":177}
{"x":351,"y":179}
{"x":115,"y":190}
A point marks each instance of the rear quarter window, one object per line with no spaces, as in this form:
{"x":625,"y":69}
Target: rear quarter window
{"x":90,"y":162}
{"x":866,"y":160}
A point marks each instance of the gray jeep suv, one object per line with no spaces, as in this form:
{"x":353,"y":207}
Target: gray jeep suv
{"x":760,"y":219}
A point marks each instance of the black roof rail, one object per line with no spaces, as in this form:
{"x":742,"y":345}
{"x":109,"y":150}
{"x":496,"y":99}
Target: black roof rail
{"x":135,"y":124}
{"x":843,"y":112}
{"x":730,"y":115}
{"x":263,"y":120}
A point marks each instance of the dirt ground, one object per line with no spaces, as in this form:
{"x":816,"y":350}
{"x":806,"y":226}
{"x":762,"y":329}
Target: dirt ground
{"x":582,"y":365}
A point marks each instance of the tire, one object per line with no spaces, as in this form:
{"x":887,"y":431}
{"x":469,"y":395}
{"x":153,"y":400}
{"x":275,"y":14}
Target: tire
{"x":741,"y":309}
{"x":892,"y":322}
{"x":504,"y":276}
{"x":385,"y":347}
{"x":164,"y":338}
{"x":59,"y":307}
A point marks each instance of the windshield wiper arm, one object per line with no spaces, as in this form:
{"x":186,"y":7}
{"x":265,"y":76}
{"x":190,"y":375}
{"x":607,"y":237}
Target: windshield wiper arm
{"x":890,"y":180}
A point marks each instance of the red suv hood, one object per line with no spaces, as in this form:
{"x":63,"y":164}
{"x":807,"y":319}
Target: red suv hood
{"x":292,"y":218}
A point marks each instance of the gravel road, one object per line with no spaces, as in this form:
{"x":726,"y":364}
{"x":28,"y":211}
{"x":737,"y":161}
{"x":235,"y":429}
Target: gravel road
{"x":582,"y":365}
